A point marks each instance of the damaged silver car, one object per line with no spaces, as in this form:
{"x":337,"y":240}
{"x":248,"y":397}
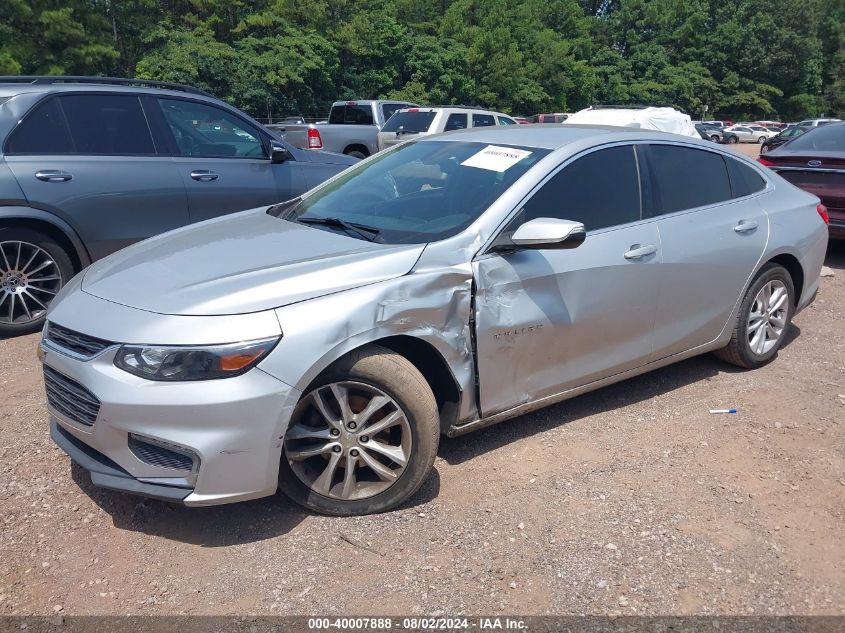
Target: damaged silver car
{"x":322,"y":346}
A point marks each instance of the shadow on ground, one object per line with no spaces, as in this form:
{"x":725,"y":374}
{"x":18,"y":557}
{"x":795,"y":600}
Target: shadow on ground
{"x":836,"y":255}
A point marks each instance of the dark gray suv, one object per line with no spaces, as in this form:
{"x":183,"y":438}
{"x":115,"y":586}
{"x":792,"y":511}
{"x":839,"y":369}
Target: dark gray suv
{"x":89,"y":165}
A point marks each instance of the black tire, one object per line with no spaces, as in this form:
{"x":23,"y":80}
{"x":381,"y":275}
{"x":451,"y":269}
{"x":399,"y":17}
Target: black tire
{"x":714,"y":138}
{"x":761,"y":140}
{"x":738,"y":351}
{"x":732,"y":140}
{"x":64,"y":268}
{"x":397,"y":377}
{"x":764,"y":148}
{"x":356,"y":154}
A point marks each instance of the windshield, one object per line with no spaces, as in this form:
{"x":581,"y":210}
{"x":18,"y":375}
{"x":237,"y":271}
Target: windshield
{"x":420,"y":192}
{"x":827,"y":138}
{"x":410,"y":122}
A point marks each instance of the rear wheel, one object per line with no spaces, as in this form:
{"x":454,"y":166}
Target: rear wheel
{"x":764,"y":317}
{"x":732,"y":139}
{"x":356,"y":153}
{"x":761,"y":140}
{"x":363,"y":437}
{"x":33,"y":268}
{"x":714,"y":138}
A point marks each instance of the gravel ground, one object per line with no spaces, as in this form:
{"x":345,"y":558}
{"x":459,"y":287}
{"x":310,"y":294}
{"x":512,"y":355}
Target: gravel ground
{"x":632,"y":500}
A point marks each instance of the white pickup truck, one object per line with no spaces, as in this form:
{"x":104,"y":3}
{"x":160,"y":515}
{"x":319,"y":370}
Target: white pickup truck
{"x":352,"y":128}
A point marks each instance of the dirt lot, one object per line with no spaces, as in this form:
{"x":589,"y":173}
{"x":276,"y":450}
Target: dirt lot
{"x":633,"y":499}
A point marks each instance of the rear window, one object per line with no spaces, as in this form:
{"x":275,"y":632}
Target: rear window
{"x":42,"y":131}
{"x":744,"y":179}
{"x":389,"y":109}
{"x":107,"y":125}
{"x":351,"y":114}
{"x":410,"y":122}
{"x":687,"y":178}
{"x":826,"y":138}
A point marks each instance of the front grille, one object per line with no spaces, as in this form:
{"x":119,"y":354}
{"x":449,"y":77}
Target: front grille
{"x":70,"y":398}
{"x":81,"y":344}
{"x":159,"y":455}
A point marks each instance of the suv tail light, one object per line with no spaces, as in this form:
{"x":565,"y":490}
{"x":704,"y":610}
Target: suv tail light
{"x":823,"y":212}
{"x":315,"y":141}
{"x":765,"y":162}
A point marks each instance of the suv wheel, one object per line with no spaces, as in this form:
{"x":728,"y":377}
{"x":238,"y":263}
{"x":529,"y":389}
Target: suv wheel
{"x":763,"y":320}
{"x":33,"y":268}
{"x":363,"y":437}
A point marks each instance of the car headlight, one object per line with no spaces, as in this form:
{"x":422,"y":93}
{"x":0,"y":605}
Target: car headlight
{"x":206,"y":362}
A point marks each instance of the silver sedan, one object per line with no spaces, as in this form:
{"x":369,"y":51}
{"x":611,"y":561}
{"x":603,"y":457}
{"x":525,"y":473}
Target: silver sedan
{"x":323,"y":345}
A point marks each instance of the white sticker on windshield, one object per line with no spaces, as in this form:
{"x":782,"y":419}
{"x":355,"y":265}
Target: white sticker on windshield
{"x":496,"y":158}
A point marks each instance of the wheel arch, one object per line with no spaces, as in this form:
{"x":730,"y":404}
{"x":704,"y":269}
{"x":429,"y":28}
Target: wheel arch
{"x":793,"y":267}
{"x":357,"y":147}
{"x":51,"y":225}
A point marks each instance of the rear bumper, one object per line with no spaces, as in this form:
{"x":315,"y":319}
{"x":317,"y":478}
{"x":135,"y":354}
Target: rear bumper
{"x":836,"y":229}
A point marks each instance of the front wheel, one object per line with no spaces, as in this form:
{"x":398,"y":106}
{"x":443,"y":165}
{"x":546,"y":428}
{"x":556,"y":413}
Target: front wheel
{"x":761,"y":140}
{"x":764,"y":148}
{"x":732,"y":140}
{"x":764,"y":317}
{"x":714,"y":138}
{"x":33,"y":268}
{"x":363,"y":437}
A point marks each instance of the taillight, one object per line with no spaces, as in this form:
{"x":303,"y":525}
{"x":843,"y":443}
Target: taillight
{"x":315,"y":141}
{"x":765,"y":162}
{"x":823,"y":212}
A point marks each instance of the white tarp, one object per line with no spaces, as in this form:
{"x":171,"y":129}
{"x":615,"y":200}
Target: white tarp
{"x":662,"y":119}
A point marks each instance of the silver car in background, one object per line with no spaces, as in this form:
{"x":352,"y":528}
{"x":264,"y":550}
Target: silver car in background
{"x":323,"y":345}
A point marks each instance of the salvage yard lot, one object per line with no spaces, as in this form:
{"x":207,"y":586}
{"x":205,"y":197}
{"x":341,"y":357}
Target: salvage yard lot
{"x":632,"y":499}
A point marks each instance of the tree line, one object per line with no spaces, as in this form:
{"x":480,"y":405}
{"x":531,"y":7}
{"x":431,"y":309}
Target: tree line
{"x":742,"y":59}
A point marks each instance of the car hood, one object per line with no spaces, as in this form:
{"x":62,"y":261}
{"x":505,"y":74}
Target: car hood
{"x":241,"y":263}
{"x":328,"y":158}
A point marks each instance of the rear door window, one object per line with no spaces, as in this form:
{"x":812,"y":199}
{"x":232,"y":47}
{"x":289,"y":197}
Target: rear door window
{"x":483,"y":120}
{"x":107,"y":125}
{"x":686,"y":178}
{"x":601,"y":190}
{"x":456,"y":121}
{"x":410,"y":122}
{"x":352,"y":114}
{"x":503,"y":120}
{"x":42,"y":131}
{"x":744,"y":179}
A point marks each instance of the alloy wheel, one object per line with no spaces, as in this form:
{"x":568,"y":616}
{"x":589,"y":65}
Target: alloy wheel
{"x":767,"y":319}
{"x":29,"y":279}
{"x":349,"y":441}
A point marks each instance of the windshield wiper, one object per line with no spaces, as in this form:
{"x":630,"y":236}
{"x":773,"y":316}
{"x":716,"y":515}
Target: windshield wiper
{"x":350,"y":227}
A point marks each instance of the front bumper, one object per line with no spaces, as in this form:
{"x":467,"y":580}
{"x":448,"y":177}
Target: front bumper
{"x":232,"y":427}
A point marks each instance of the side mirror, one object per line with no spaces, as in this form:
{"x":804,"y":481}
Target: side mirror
{"x":278,"y":152}
{"x":549,"y":233}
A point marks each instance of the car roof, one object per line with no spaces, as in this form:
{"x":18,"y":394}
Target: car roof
{"x":455,"y":109}
{"x":12,"y":89}
{"x":546,"y":136}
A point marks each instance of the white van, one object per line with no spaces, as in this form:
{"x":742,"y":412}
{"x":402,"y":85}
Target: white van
{"x":413,"y":122}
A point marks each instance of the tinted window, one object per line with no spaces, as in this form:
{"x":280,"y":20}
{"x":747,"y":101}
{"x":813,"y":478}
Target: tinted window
{"x":410,"y":122}
{"x":686,"y":178}
{"x":389,"y":109}
{"x":744,"y":180}
{"x":205,"y":131}
{"x":107,"y":124}
{"x":482,"y":120}
{"x":503,"y":120}
{"x":601,"y":189}
{"x":827,"y":138}
{"x":456,"y":121}
{"x":352,"y":114}
{"x":42,"y":132}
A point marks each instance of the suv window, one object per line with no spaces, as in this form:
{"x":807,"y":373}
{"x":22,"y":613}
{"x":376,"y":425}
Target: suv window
{"x":410,"y":122}
{"x":483,"y":120}
{"x":744,"y":180}
{"x":456,"y":121}
{"x":601,"y":189}
{"x":206,"y":131}
{"x":503,"y":120}
{"x":686,"y":178}
{"x":107,"y":124}
{"x":352,"y":113}
{"x":42,"y":131}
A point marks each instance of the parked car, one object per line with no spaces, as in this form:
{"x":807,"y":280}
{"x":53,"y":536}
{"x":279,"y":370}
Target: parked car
{"x":521,"y":120}
{"x":551,"y":117}
{"x":749,"y":133}
{"x":352,"y":128}
{"x":721,"y":124}
{"x":90,"y":165}
{"x":815,"y":162}
{"x":786,"y":135}
{"x":416,"y":122}
{"x":709,"y":133}
{"x":323,"y":345}
{"x":818,"y":122}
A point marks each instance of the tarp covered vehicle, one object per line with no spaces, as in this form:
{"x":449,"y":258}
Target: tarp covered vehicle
{"x":646,"y":118}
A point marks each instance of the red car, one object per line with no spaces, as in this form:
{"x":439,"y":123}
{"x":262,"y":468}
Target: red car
{"x":815,"y":162}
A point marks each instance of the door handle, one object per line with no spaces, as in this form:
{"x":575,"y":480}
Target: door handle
{"x":203,"y":175}
{"x":53,"y":175}
{"x":745,"y":225}
{"x":638,"y":252}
